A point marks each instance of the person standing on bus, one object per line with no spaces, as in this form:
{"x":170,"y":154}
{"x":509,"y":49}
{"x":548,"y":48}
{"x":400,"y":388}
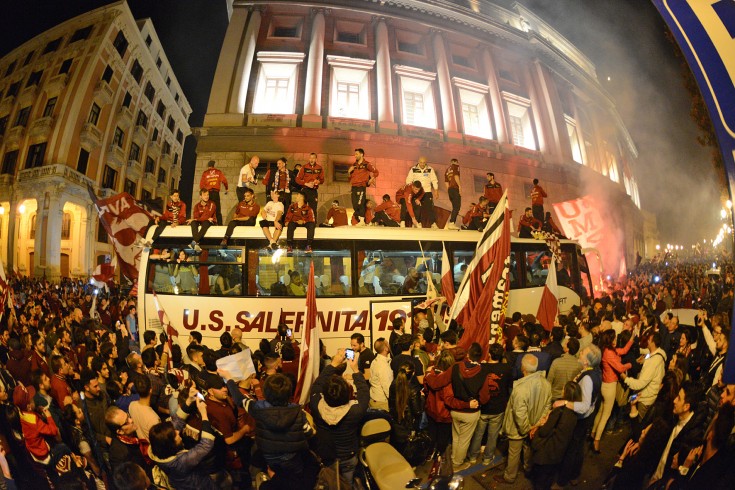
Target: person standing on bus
{"x":426,"y":176}
{"x":246,"y":177}
{"x":387,"y":213}
{"x":493,"y":192}
{"x":272,"y":213}
{"x":203,"y":216}
{"x":300,"y":214}
{"x":309,"y":178}
{"x":338,"y":215}
{"x":454,"y":189}
{"x":173,"y":215}
{"x":280,"y":181}
{"x":527,"y":224}
{"x":537,"y":200}
{"x":246,"y":213}
{"x":362,"y":175}
{"x":212,"y":181}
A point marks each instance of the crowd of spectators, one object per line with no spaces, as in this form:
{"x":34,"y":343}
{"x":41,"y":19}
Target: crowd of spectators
{"x":85,"y":403}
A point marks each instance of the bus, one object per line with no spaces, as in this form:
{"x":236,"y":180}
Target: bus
{"x":364,"y":278}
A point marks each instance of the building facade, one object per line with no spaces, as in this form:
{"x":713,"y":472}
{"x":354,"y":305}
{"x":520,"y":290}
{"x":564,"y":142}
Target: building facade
{"x":496,"y":88}
{"x":90,"y":102}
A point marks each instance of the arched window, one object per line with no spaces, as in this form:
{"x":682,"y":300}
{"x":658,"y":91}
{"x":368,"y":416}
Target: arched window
{"x":32,"y":233}
{"x":66,"y":226}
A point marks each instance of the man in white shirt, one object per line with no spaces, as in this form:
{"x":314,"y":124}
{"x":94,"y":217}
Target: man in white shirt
{"x":140,"y":410}
{"x":246,"y":179}
{"x":649,"y":379}
{"x":381,"y":375}
{"x":272,"y":213}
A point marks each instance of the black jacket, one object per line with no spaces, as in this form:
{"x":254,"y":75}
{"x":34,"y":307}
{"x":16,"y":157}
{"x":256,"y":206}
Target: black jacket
{"x":501,"y":373}
{"x":553,"y":437}
{"x":467,"y":380}
{"x":411,"y":415}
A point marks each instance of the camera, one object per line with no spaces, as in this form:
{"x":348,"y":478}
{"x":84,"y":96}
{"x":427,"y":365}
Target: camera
{"x":350,"y":354}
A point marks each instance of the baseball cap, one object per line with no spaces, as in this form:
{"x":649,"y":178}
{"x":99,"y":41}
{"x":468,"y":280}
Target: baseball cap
{"x":22,"y":396}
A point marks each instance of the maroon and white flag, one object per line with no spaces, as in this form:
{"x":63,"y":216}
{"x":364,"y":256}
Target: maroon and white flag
{"x":548,"y":309}
{"x":447,"y":277}
{"x":125,"y":222}
{"x":480,"y":303}
{"x":309,"y":355}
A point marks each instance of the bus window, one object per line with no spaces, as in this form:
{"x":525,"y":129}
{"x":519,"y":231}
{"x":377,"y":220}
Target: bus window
{"x":584,"y":276}
{"x":225,"y":279}
{"x":161,"y":269}
{"x":283,"y":275}
{"x":396,"y":272}
{"x":537,"y":269}
{"x":462,"y":259}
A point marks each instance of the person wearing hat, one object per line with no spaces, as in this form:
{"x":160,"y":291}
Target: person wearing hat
{"x":224,"y":419}
{"x":34,"y":426}
{"x":212,"y":181}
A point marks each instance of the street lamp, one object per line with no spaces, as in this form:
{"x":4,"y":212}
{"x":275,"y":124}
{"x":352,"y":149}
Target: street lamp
{"x":658,"y":247}
{"x":22,"y":208}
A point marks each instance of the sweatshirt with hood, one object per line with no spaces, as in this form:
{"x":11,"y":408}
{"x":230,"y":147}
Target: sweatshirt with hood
{"x":337,"y":427}
{"x":468,"y":378}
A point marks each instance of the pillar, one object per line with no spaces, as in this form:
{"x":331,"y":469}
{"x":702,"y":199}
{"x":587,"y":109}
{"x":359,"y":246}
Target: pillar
{"x":12,"y":234}
{"x":312,"y":117}
{"x":496,"y":99}
{"x":47,"y":256}
{"x":449,"y":115}
{"x":386,"y":121}
{"x":558,"y":139}
{"x":89,"y":232}
{"x":536,"y":110}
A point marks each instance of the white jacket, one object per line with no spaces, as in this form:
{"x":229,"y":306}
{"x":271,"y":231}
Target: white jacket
{"x":381,"y":377}
{"x":425,"y":175}
{"x":649,"y":379}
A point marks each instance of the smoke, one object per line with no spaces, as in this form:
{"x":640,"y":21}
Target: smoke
{"x":625,"y":40}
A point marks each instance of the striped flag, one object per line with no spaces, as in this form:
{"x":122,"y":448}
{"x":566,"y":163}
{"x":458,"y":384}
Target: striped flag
{"x":447,"y":277}
{"x":309,"y":356}
{"x":4,"y":293}
{"x":548,"y":309}
{"x":171,"y":332}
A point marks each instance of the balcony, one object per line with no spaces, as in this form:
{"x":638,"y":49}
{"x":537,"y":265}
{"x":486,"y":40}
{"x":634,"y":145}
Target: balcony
{"x":167,"y":160}
{"x":135,"y":170}
{"x":56,"y":84}
{"x":58,"y":173}
{"x":124,"y":117}
{"x":7,"y":104}
{"x":6,"y":180}
{"x":14,"y":136}
{"x":140,"y":135}
{"x":149,"y":177}
{"x":103,"y":93}
{"x":28,"y":95}
{"x":154,"y":149}
{"x":161,"y":189}
{"x":41,"y":128}
{"x":115,"y":156}
{"x":90,"y":136}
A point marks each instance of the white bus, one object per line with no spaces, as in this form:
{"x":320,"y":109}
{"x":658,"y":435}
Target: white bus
{"x":364,"y":276}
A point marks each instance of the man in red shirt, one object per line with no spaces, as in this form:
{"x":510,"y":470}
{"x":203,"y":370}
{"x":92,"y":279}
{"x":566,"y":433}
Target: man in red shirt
{"x":246,"y":213}
{"x":174,"y":214}
{"x":362,"y":175}
{"x":60,"y":390}
{"x":223,"y":417}
{"x":387,"y":213}
{"x":338,"y":215}
{"x":454,"y":190}
{"x":537,"y":201}
{"x":403,"y":197}
{"x":309,"y":178}
{"x":476,"y":217}
{"x":299,"y":214}
{"x":527,"y":224}
{"x":203,"y":216}
{"x":493,"y":192}
{"x":212,"y":180}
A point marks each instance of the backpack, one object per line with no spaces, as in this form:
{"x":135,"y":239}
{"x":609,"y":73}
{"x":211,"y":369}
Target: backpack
{"x":329,"y":477}
{"x":160,"y":478}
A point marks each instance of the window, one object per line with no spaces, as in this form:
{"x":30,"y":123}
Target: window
{"x":13,"y":89}
{"x":137,"y":71}
{"x":180,"y":137}
{"x":82,"y":161}
{"x":49,"y":109}
{"x":396,"y":272}
{"x":109,"y":177}
{"x":107,"y":74}
{"x":52,"y":46}
{"x":520,"y":121}
{"x":11,"y":68}
{"x":461,"y":60}
{"x":81,"y":34}
{"x":150,"y":92}
{"x":102,"y":236}
{"x":412,"y":48}
{"x":176,"y":159}
{"x":66,"y":226}
{"x":155,"y":135}
{"x":286,"y":27}
{"x":130,"y":187}
{"x":161,"y":109}
{"x":283,"y":31}
{"x":35,"y":155}
{"x":94,"y":114}
{"x":276,"y":88}
{"x":3,"y":124}
{"x":148,"y":40}
{"x":166,"y":149}
{"x":32,"y":227}
{"x":65,"y":66}
{"x":119,"y":137}
{"x":177,"y":98}
{"x":161,"y":175}
{"x":574,"y":140}
{"x":142,"y":119}
{"x":120,"y":44}
{"x":168,"y":81}
{"x":145,"y":195}
{"x":127,"y":99}
{"x":35,"y":78}
{"x":22,"y":117}
{"x":340,"y":170}
{"x":9,"y":162}
{"x":150,"y":165}
{"x":417,"y":96}
{"x":171,"y":124}
{"x":159,"y":62}
{"x":350,"y":88}
{"x":611,"y":167}
{"x":475,"y":114}
{"x":134,"y":152}
{"x":28,"y":59}
{"x":349,"y":37}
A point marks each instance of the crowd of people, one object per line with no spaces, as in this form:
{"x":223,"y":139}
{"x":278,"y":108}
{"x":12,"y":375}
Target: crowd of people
{"x":86,"y":403}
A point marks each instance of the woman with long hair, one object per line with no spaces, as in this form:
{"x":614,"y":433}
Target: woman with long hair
{"x":611,"y":368}
{"x":437,"y":410}
{"x":406,"y":404}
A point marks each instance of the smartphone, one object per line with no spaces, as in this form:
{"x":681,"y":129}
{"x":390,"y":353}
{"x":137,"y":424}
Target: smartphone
{"x":200,"y":396}
{"x":350,"y":354}
{"x":633,"y":397}
{"x":289,"y":332}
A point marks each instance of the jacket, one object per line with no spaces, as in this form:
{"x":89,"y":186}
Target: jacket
{"x":611,"y":364}
{"x":203,"y":211}
{"x":362,"y":173}
{"x":495,"y":390}
{"x":337,"y":427}
{"x":553,"y":437}
{"x":467,"y":380}
{"x":309,"y":173}
{"x":19,"y":366}
{"x":181,"y":468}
{"x":400,"y":431}
{"x":440,"y":400}
{"x":34,"y":429}
{"x":213,"y":179}
{"x":537,"y":195}
{"x":296,"y":213}
{"x":649,"y":379}
{"x":175,"y":212}
{"x":493,"y":192}
{"x":529,"y":401}
{"x":544,"y":363}
{"x":425,"y":175}
{"x":392,"y":209}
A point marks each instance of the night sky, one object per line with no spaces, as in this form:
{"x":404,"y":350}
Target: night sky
{"x":623,"y":38}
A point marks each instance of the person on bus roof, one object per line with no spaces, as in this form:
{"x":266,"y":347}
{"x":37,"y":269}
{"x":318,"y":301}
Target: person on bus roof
{"x":246,"y":213}
{"x":272,"y":214}
{"x":300,"y":214}
{"x":203,"y":216}
{"x":174,"y":214}
{"x":528,"y":224}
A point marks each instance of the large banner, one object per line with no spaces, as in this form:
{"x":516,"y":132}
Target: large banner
{"x":705,"y":31}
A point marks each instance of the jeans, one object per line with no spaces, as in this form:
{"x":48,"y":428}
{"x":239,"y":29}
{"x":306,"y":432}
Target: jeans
{"x":492,"y":423}
{"x":214,"y":197}
{"x":347,"y":468}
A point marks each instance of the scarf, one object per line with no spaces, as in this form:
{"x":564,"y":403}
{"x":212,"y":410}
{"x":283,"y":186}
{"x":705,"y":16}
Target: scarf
{"x":277,"y":179}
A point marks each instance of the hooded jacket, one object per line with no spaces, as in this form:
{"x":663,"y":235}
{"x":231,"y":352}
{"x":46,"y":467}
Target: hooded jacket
{"x":439,"y":401}
{"x":19,"y":365}
{"x":337,"y":427}
{"x":467,"y":379}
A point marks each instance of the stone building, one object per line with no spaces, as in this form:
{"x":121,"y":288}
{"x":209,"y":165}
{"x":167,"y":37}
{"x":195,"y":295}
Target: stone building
{"x":92,"y":101}
{"x":497,"y":88}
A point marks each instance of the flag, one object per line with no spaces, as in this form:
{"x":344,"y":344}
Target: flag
{"x":548,"y":309}
{"x":104,"y":273}
{"x":309,"y":356}
{"x":171,"y":332}
{"x":480,"y":302}
{"x":447,"y":277}
{"x":125,"y":222}
{"x":4,"y":294}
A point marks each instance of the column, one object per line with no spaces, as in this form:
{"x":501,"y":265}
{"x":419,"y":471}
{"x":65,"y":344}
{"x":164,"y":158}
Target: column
{"x":12,"y":233}
{"x":449,"y":116}
{"x":496,"y":99}
{"x":48,"y":235}
{"x":312,"y":117}
{"x":89,"y":231}
{"x":386,"y":122}
{"x":558,"y":142}
{"x":536,"y":110}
